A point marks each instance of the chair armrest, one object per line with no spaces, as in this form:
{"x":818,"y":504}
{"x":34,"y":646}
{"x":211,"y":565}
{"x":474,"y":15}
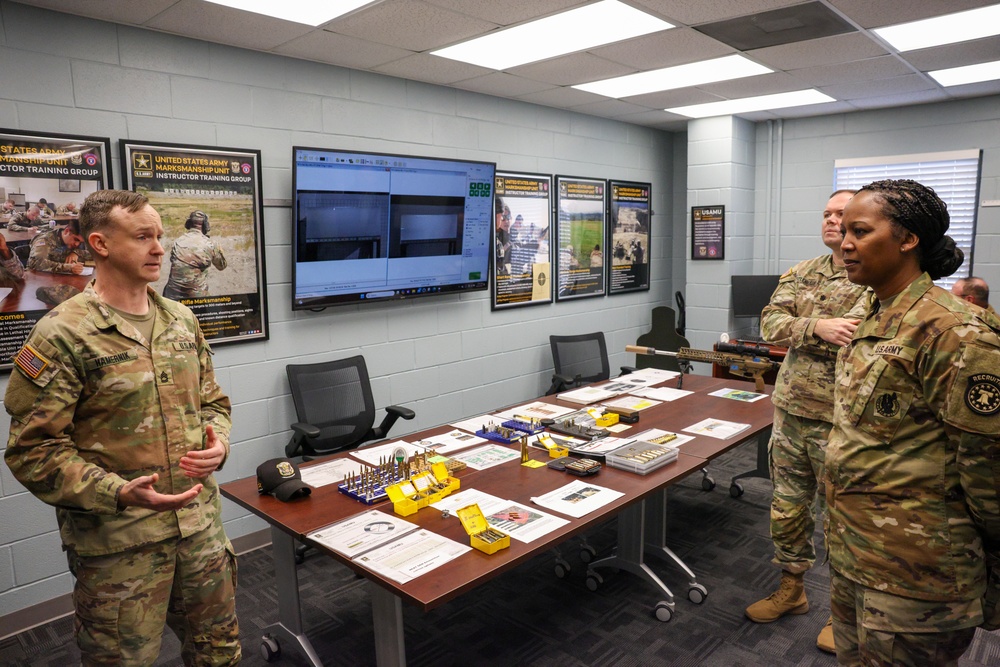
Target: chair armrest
{"x":627,"y":369}
{"x":300,"y":431}
{"x":392,"y":413}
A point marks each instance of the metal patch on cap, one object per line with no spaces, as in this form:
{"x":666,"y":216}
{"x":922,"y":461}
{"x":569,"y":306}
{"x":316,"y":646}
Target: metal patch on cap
{"x":285,"y":469}
{"x":983,"y":394}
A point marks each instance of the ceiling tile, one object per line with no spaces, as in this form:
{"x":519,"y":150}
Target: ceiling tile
{"x":201,"y":20}
{"x":432,"y":69}
{"x":502,"y":84}
{"x":861,"y":71}
{"x":878,"y":87}
{"x":870,"y":14}
{"x":673,"y":98}
{"x":410,"y":24}
{"x":799,"y":23}
{"x":116,"y":11}
{"x":611,"y":108}
{"x":663,"y":49}
{"x":344,"y":50}
{"x":706,"y":11}
{"x":561,"y":97}
{"x":955,"y":55}
{"x":751,"y":86}
{"x":818,"y":52}
{"x":508,"y":12}
{"x":572,"y":69}
{"x":901,"y":99}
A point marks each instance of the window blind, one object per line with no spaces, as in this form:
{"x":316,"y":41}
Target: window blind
{"x":954,"y":175}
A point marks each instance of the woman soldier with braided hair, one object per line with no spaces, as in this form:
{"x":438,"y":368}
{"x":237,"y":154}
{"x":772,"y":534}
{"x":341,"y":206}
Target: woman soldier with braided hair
{"x":913,"y":462}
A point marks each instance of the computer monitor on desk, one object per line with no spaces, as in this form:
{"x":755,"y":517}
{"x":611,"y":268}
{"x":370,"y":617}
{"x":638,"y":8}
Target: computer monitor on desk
{"x":751,"y":293}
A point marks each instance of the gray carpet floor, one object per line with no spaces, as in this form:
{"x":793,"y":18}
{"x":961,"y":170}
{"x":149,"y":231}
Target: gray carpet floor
{"x":528,"y":617}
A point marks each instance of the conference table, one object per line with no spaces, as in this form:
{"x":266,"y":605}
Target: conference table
{"x":23,"y":296}
{"x":640,"y":511}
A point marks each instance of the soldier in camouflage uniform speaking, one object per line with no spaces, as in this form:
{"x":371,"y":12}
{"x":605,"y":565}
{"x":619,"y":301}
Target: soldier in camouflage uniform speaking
{"x":190,"y":258}
{"x":813,"y":311}
{"x":117,"y":420}
{"x":913,"y":464}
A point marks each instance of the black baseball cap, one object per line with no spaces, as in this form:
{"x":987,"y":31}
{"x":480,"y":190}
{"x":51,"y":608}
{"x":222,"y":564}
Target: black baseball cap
{"x":282,"y":478}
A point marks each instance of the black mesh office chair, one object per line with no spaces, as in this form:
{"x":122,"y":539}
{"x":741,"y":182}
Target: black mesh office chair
{"x":579,"y":360}
{"x":335,"y":411}
{"x":335,"y":408}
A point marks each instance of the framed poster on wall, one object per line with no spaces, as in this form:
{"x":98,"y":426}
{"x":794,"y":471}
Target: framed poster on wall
{"x":210,"y":201}
{"x":581,"y":208}
{"x":629,"y":232}
{"x":522,"y":264}
{"x":708,"y":232}
{"x":35,"y":166}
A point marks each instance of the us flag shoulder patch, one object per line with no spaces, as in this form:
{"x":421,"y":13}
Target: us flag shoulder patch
{"x":30,"y":361}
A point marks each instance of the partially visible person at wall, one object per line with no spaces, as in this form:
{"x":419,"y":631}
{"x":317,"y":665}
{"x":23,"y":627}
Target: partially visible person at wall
{"x":813,"y":311}
{"x":59,"y":250}
{"x":974,"y":290}
{"x":11,"y":270}
{"x":913,"y":464}
{"x":192,"y":255}
{"x":117,"y":421}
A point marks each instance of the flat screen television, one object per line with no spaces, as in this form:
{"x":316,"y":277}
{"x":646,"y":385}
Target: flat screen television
{"x":751,"y":293}
{"x":378,"y":227}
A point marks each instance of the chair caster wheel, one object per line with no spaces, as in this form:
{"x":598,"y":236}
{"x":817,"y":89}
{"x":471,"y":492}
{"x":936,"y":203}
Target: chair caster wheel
{"x":663,"y":612}
{"x":735,"y":490}
{"x":697,"y":593}
{"x":561,"y":569}
{"x":270,"y":650}
{"x":594,"y":581}
{"x":707,"y":484}
{"x":587,"y":553}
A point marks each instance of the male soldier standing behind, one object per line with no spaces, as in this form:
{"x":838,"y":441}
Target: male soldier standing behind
{"x":117,"y":420}
{"x":814,"y":311}
{"x":193,"y":253}
{"x":974,"y":290}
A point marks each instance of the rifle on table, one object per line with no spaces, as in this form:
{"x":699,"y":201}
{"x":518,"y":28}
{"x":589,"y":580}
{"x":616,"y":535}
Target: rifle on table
{"x":747,"y":361}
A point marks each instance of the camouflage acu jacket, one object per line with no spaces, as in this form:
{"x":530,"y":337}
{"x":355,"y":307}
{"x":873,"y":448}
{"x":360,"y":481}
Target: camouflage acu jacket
{"x":913,"y":462}
{"x":93,"y":407}
{"x":191,"y":256}
{"x":809,"y":291}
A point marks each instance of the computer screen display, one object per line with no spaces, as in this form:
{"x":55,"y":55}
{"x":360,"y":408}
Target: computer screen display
{"x":377,"y":227}
{"x":751,"y":293}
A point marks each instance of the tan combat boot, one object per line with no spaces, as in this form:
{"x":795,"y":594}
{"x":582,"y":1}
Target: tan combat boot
{"x":825,"y":640}
{"x":790,"y":598}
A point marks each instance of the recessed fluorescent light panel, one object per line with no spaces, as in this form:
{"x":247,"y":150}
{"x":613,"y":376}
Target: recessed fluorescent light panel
{"x":576,"y":30}
{"x":798,"y":98}
{"x":309,"y":12}
{"x":948,"y":29}
{"x":957,"y":76}
{"x":680,"y":76}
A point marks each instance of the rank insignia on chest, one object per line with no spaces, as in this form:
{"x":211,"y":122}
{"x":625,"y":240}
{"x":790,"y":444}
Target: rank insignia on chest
{"x":983,"y":394}
{"x":164,"y":377}
{"x":887,"y":405}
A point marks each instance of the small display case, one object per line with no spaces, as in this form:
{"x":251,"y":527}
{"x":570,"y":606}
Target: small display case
{"x":421,"y":490}
{"x":555,"y":451}
{"x":487,"y":539}
{"x":606,"y":420}
{"x":641,"y":457}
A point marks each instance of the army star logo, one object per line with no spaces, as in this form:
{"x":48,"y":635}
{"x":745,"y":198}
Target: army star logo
{"x":983,"y":394}
{"x":887,"y":405}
